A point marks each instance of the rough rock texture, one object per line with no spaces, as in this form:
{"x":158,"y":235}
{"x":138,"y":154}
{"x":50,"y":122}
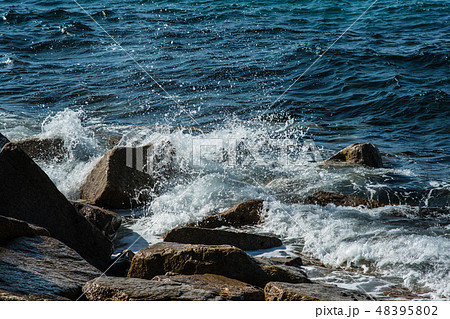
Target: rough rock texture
{"x":282,"y":291}
{"x":116,"y":182}
{"x":323,"y":198}
{"x":45,"y":149}
{"x":11,"y":228}
{"x":43,"y":266}
{"x":243,"y":214}
{"x":224,"y":260}
{"x":134,"y":289}
{"x":244,"y":241}
{"x":13,"y":296}
{"x":28,"y":194}
{"x":229,"y":289}
{"x":108,"y":222}
{"x":359,"y":153}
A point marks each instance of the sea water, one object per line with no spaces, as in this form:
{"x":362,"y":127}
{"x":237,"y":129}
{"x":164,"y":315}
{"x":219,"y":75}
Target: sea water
{"x":208,"y":76}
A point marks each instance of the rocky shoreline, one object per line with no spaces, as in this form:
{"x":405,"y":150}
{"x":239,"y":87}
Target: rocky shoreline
{"x":55,"y":249}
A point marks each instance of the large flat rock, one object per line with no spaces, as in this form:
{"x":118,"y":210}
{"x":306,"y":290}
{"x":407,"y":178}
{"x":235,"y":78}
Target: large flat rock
{"x":225,"y":260}
{"x":229,"y":289}
{"x":244,"y":241}
{"x":282,"y":291}
{"x":44,"y":267}
{"x":135,"y":289}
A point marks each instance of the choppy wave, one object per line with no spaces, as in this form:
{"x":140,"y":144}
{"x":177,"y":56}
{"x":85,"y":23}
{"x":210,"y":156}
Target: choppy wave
{"x":223,"y":65}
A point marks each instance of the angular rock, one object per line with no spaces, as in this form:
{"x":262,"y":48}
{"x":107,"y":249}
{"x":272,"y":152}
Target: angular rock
{"x":11,"y":228}
{"x":108,"y":222}
{"x":243,"y":214}
{"x":323,"y":198}
{"x":116,"y":182}
{"x":136,"y":289}
{"x":229,"y":289}
{"x":45,"y":149}
{"x":3,"y":141}
{"x":286,"y":261}
{"x":43,"y":266}
{"x":244,"y":241}
{"x":224,"y":260}
{"x":282,"y":291}
{"x":359,"y":153}
{"x":28,"y":194}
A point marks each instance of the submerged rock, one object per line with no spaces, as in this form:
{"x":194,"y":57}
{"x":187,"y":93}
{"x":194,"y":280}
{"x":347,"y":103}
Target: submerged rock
{"x":43,"y":266}
{"x":108,"y":222}
{"x":323,"y":198}
{"x":135,"y":289}
{"x":282,"y":291}
{"x":28,"y":194}
{"x":229,"y":289}
{"x":224,"y":260}
{"x":45,"y":149}
{"x":11,"y":228}
{"x":243,"y":214}
{"x":359,"y":153}
{"x":244,"y":241}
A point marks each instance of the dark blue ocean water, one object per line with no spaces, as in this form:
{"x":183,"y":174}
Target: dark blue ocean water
{"x":219,"y":68}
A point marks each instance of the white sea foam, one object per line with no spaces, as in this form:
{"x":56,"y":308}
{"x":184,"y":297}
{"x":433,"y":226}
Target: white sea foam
{"x":341,"y":237}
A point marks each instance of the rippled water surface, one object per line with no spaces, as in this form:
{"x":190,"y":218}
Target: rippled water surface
{"x":214,"y":70}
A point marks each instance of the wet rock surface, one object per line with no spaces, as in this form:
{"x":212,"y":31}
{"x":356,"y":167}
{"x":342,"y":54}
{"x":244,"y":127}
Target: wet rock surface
{"x":224,"y":260}
{"x":43,"y":266}
{"x":244,"y":241}
{"x":11,"y":228}
{"x":282,"y":291}
{"x":134,"y":289}
{"x":243,"y":214}
{"x":29,"y":195}
{"x":359,"y":153}
{"x":107,"y":221}
{"x":229,"y":289}
{"x":116,"y":181}
{"x":45,"y":149}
